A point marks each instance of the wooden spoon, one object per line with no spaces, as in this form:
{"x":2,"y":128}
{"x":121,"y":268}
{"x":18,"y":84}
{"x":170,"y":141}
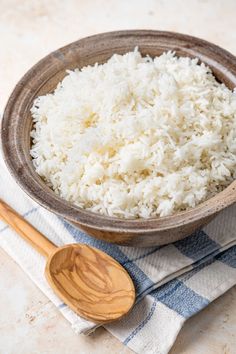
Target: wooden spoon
{"x":89,"y":281}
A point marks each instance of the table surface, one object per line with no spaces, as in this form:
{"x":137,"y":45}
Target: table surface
{"x":30,"y":29}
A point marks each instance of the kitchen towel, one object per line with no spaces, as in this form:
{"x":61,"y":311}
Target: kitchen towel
{"x":172,"y":282}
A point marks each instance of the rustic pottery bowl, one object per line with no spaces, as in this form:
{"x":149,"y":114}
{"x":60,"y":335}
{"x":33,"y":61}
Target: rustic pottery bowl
{"x":44,"y":77}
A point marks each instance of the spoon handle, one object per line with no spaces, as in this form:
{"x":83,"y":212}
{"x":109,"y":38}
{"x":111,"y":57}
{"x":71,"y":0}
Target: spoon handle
{"x":27,"y":231}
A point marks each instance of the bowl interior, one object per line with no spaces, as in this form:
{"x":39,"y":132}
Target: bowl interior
{"x":44,"y":77}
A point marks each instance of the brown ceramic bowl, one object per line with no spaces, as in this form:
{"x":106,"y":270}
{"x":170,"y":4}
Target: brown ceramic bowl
{"x":43,"y":78}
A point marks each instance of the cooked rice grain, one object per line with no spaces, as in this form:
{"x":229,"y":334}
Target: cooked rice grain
{"x":136,"y":137}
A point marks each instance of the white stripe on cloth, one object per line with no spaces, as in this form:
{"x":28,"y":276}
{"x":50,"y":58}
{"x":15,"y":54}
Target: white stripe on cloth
{"x":145,"y":327}
{"x":167,"y":307}
{"x":212,"y":276}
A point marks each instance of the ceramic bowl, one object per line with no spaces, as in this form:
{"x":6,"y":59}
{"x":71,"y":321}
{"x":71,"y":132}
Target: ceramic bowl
{"x":44,"y":77}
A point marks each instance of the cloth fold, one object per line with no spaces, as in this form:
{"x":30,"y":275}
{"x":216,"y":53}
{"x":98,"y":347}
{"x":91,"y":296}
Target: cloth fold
{"x":172,"y":282}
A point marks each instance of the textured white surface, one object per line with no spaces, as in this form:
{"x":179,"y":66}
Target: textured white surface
{"x":29,"y":30}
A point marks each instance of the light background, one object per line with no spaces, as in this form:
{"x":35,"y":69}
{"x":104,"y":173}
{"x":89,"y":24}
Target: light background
{"x":29,"y":324}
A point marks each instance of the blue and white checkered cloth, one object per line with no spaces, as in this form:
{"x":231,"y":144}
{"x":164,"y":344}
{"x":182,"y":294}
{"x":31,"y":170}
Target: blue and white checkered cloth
{"x":172,"y":282}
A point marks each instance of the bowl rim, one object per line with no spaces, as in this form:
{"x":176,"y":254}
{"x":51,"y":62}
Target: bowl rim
{"x":32,"y":184}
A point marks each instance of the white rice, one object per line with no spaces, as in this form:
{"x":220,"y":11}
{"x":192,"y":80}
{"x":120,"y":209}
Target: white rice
{"x":136,"y":137}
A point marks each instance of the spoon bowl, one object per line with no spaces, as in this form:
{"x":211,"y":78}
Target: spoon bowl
{"x":92,"y":283}
{"x":89,"y":281}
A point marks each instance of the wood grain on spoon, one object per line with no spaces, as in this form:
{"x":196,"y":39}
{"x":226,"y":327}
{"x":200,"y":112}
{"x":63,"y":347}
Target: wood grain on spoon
{"x":96,"y":285}
{"x":89,"y":281}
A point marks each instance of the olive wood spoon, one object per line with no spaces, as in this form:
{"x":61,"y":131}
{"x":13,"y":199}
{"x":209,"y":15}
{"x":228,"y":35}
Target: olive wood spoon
{"x":89,"y":281}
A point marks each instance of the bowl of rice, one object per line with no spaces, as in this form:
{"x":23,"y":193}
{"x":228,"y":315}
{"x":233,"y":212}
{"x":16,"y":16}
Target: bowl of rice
{"x":129,"y":135}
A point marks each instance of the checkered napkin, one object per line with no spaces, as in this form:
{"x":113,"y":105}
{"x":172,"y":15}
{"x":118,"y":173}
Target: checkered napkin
{"x":172,"y":282}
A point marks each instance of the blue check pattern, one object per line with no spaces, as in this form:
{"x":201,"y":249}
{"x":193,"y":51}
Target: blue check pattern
{"x":202,"y":251}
